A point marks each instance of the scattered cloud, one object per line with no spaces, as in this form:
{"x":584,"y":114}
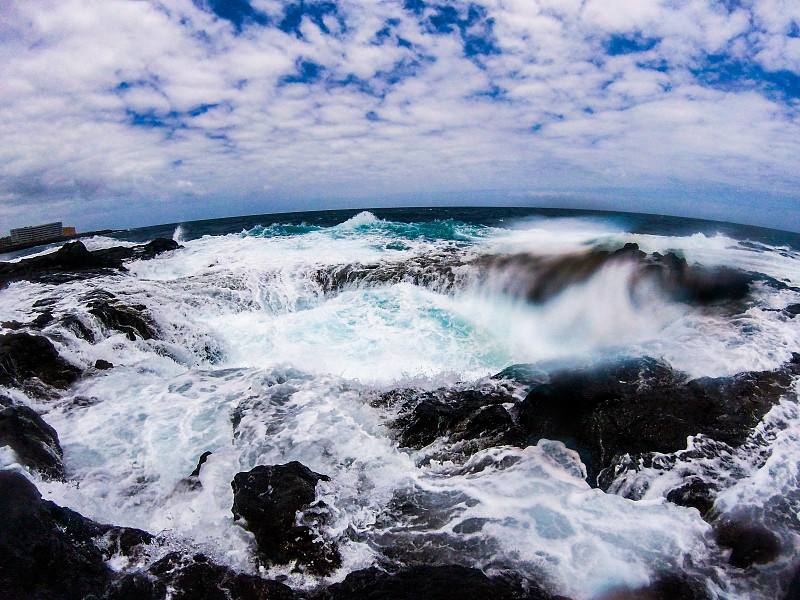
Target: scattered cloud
{"x":260,"y":105}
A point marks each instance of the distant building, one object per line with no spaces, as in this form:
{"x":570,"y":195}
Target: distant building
{"x":38,"y":233}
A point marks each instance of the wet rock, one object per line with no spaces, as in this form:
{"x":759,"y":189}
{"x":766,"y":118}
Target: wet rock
{"x":462,"y":414}
{"x":73,"y":261}
{"x":24,"y":356}
{"x":668,"y":587}
{"x":792,"y":310}
{"x":694,"y":493}
{"x":133,"y":586}
{"x":192,"y":483}
{"x":539,"y":279}
{"x":13,"y":325}
{"x":40,"y":555}
{"x":197,"y":578}
{"x":33,"y":441}
{"x":268,"y":499}
{"x":42,"y":319}
{"x":750,"y":543}
{"x":447,"y":582}
{"x":793,"y":593}
{"x":76,"y":326}
{"x":129,"y":320}
{"x":102,"y":365}
{"x":643,"y":405}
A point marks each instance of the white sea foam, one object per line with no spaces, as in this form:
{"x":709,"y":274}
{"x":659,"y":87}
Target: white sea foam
{"x":259,"y":364}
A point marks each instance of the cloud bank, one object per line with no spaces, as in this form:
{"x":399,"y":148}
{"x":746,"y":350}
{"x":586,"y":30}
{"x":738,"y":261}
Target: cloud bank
{"x":120,"y":113}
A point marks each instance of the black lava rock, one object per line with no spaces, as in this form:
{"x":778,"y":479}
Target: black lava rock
{"x":667,"y":587}
{"x":447,"y":582}
{"x":129,"y":320}
{"x":76,"y":326}
{"x":41,"y":556}
{"x":694,"y":493}
{"x":268,"y":499}
{"x":102,"y":365}
{"x":643,"y":405}
{"x":750,"y":543}
{"x":197,"y":578}
{"x":33,"y":441}
{"x":24,"y":356}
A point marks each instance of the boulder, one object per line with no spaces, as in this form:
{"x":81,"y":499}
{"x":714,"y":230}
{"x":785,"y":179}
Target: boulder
{"x":427,"y":582}
{"x":750,"y":543}
{"x":268,"y":499}
{"x":102,"y":365}
{"x":24,"y":356}
{"x":665,"y":587}
{"x":643,"y":405}
{"x":33,"y":441}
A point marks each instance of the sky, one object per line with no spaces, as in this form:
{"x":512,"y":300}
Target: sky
{"x":123,"y":113}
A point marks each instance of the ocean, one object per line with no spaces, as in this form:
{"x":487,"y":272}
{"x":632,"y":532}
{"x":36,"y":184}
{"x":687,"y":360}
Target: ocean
{"x":285,"y":338}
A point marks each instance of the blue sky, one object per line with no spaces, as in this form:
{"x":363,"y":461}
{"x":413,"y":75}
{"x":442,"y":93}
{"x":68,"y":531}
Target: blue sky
{"x":123,"y":113}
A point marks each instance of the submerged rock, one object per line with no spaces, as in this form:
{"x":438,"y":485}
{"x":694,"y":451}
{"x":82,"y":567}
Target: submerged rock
{"x":24,"y":356}
{"x":667,"y":587}
{"x":446,"y":582}
{"x":750,"y":543}
{"x":192,"y":482}
{"x":33,"y":441}
{"x":268,"y":498}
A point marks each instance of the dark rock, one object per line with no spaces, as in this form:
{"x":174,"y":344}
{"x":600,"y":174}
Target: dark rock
{"x":668,"y":587}
{"x":102,"y":365}
{"x":133,"y":586}
{"x":192,"y":483}
{"x":33,"y":441}
{"x":447,"y":582}
{"x":14,"y":325}
{"x":792,"y":310}
{"x":464,"y":414}
{"x":73,"y":261}
{"x":76,"y":326}
{"x":793,"y":593}
{"x":40,"y":555}
{"x":539,"y":279}
{"x":199,"y":579}
{"x":268,"y":498}
{"x":42,"y":319}
{"x":643,"y":405}
{"x":750,"y":543}
{"x":694,"y":493}
{"x":23,"y":356}
{"x":129,"y":320}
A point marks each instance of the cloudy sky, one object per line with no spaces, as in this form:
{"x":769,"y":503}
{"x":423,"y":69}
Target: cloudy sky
{"x":118,"y":113}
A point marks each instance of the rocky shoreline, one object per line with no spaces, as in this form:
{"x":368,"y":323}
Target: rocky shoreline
{"x":619,"y":417}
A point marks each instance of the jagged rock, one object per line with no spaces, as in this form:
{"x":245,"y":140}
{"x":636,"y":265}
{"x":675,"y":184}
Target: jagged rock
{"x":43,"y":319}
{"x":462,"y":414}
{"x":268,"y":498}
{"x":102,"y":365}
{"x":76,"y":326}
{"x":667,"y":587}
{"x":192,"y":483}
{"x":24,"y":356}
{"x":199,"y":579}
{"x":694,"y":493}
{"x":643,"y":405}
{"x":40,"y":555}
{"x":750,"y":543}
{"x":792,"y":310}
{"x":13,"y":325}
{"x":446,"y":582}
{"x":73,"y":261}
{"x":127,"y":319}
{"x":33,"y":441}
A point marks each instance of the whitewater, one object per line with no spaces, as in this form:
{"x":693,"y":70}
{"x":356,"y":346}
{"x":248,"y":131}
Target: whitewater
{"x":280,"y":342}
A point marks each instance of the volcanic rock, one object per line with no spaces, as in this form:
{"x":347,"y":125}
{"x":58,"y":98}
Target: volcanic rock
{"x":268,"y":498}
{"x":643,"y":405}
{"x":426,"y":582}
{"x":33,"y":441}
{"x":129,"y":320}
{"x":199,"y":579}
{"x":40,"y":555}
{"x":73,"y":261}
{"x":693,"y":493}
{"x":102,"y":365}
{"x":667,"y":587}
{"x":76,"y":326}
{"x":750,"y":543}
{"x":24,"y":356}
